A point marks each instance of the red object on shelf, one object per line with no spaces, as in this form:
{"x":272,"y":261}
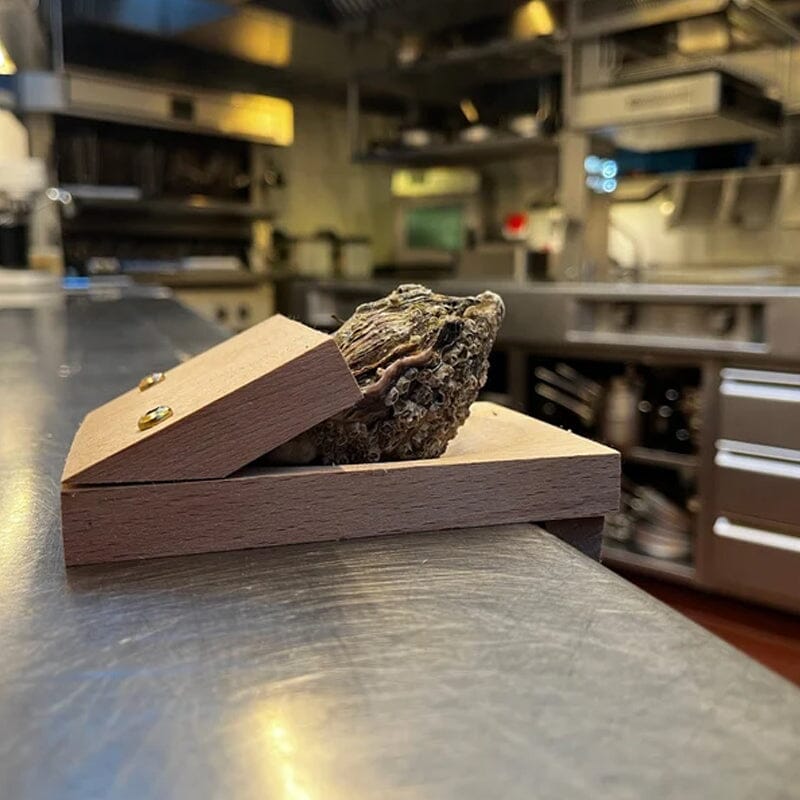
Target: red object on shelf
{"x":515,"y":225}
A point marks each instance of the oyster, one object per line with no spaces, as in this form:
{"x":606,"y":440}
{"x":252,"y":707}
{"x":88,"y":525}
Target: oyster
{"x":420,"y":359}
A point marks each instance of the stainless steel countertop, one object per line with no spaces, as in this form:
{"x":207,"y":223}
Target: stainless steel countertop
{"x":486,"y":663}
{"x":657,"y":291}
{"x":563,"y":316}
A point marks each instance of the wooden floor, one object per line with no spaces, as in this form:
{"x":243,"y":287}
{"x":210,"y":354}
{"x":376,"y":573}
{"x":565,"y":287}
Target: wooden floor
{"x":771,"y":637}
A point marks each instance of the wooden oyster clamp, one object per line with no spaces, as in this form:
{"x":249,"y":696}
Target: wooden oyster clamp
{"x":189,"y":483}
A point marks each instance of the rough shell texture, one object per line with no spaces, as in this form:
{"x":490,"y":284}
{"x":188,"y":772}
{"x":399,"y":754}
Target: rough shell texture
{"x":420,"y":359}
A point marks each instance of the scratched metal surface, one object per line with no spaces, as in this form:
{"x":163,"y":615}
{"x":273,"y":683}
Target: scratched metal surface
{"x":477,"y":664}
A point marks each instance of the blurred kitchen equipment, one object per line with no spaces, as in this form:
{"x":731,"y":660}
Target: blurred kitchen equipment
{"x":324,"y":254}
{"x":355,"y":258}
{"x":21,"y":182}
{"x":437,"y":213}
{"x":79,"y":93}
{"x":533,"y":19}
{"x":499,"y":260}
{"x":707,"y":107}
{"x":662,"y":542}
{"x":585,"y":387}
{"x":581,"y":410}
{"x":420,"y":137}
{"x":212,"y":263}
{"x":566,"y":398}
{"x":99,"y":156}
{"x":87,"y":191}
{"x":526,"y":125}
{"x":749,"y":21}
{"x":409,"y":50}
{"x":669,"y":412}
{"x":749,"y":199}
{"x":650,"y":522}
{"x":621,"y":525}
{"x":703,"y":35}
{"x":657,"y":508}
{"x":756,"y":530}
{"x":313,"y":256}
{"x":620,"y":417}
{"x":29,"y":288}
{"x":663,"y":529}
{"x":566,"y":384}
{"x":476,"y":133}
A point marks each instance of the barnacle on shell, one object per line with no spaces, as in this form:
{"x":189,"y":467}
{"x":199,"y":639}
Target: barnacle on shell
{"x":420,"y":359}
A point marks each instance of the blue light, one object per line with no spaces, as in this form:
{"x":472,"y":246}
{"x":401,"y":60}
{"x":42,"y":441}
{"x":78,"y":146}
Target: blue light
{"x":601,"y":185}
{"x":592,"y":165}
{"x":75,"y":282}
{"x":609,"y":169}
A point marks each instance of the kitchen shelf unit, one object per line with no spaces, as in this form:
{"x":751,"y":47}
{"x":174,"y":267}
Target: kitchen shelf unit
{"x":201,"y":278}
{"x":661,"y":458}
{"x":154,"y":227}
{"x":444,"y":76}
{"x":456,"y":153}
{"x":442,"y":80}
{"x":617,"y":555}
{"x":195,"y":206}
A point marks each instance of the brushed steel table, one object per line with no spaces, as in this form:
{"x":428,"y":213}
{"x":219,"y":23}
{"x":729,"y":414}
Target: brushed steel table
{"x":492,"y":663}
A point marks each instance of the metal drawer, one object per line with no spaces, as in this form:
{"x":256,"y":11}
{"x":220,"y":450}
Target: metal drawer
{"x":756,"y":562}
{"x":755,"y":546}
{"x":758,"y":481}
{"x":760,"y":407}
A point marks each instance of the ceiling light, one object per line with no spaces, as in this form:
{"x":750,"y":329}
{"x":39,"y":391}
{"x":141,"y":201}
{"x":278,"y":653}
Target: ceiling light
{"x":532,"y":19}
{"x":7,"y":65}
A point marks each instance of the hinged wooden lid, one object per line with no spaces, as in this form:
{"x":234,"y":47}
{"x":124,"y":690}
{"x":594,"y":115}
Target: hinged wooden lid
{"x":230,"y":405}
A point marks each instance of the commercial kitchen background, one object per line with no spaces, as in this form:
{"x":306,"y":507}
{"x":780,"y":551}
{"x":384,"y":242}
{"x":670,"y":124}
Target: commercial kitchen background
{"x":626,"y":175}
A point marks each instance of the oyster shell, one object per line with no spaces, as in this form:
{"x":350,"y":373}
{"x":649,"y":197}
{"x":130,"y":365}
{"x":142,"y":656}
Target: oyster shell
{"x":420,"y":358}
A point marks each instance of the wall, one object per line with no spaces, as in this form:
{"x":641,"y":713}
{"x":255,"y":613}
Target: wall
{"x":324,"y":189}
{"x":13,"y":138}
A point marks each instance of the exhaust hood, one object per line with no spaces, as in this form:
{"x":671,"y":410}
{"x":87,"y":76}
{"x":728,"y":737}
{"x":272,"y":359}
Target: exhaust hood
{"x":237,"y":115}
{"x":704,"y":108}
{"x":755,"y":18}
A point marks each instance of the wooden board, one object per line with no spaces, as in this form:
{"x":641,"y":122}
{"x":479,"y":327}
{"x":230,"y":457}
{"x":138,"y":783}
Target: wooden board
{"x":231,"y":404}
{"x":502,"y":467}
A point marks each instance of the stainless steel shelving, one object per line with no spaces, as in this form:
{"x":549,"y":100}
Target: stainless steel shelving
{"x":442,"y":79}
{"x":189,"y":207}
{"x":495,"y":149}
{"x":621,"y":556}
{"x":443,"y":75}
{"x":661,"y":458}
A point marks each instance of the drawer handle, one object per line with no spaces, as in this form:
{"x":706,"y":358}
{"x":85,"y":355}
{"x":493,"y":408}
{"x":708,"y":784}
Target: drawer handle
{"x":779,"y":541}
{"x":760,"y":391}
{"x":759,"y":376}
{"x":761,"y":466}
{"x":767,"y":451}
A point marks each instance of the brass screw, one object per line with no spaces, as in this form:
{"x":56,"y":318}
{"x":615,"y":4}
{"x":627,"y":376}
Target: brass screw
{"x":151,"y":380}
{"x":154,"y":416}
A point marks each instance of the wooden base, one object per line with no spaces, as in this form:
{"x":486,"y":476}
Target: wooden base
{"x":502,"y":467}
